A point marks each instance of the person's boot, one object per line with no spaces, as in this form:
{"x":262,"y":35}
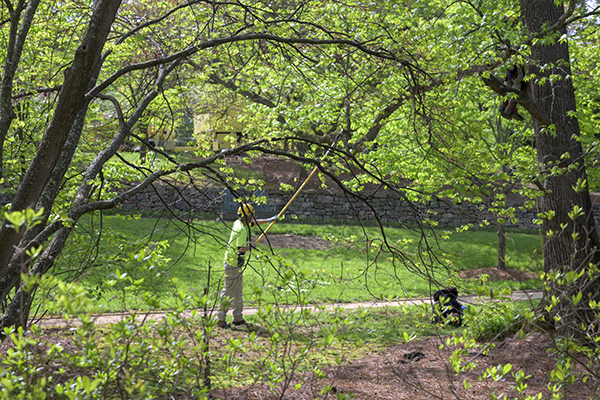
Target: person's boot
{"x":223,"y":324}
{"x":512,"y":111}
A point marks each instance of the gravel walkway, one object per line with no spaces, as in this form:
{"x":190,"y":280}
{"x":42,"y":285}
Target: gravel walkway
{"x":103,"y":319}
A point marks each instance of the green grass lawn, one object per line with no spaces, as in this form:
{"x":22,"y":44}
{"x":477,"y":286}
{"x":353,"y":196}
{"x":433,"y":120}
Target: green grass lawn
{"x":356,"y":267}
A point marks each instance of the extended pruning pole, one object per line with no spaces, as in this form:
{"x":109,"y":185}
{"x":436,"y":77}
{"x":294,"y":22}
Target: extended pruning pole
{"x":293,"y":197}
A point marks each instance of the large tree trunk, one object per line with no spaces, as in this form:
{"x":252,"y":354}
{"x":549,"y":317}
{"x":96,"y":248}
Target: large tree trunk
{"x":570,"y":243}
{"x":17,"y":312}
{"x":70,"y":101}
{"x":11,"y":278}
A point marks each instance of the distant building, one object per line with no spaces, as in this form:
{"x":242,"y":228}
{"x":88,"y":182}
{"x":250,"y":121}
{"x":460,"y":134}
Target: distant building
{"x":222,"y":128}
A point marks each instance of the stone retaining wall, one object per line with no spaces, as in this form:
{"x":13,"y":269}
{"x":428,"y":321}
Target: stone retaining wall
{"x":319,"y":205}
{"x":322,"y":206}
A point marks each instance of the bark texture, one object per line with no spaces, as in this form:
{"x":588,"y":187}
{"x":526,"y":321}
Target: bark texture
{"x":17,"y":34}
{"x":560,"y":148}
{"x":70,"y":101}
{"x":501,"y":262}
{"x":570,"y":242}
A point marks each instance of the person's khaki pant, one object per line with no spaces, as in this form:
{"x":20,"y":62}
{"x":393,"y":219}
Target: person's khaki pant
{"x":231,"y":295}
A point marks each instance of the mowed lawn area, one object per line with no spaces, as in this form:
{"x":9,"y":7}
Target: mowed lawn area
{"x":142,"y":263}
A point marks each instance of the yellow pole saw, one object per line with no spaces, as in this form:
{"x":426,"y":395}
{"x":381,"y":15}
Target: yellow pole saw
{"x":293,"y":197}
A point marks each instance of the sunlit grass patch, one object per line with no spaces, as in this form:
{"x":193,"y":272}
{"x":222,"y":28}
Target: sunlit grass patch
{"x":164,"y":257}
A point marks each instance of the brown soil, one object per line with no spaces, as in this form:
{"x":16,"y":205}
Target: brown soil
{"x":420,"y":370}
{"x":498,"y":274}
{"x":275,"y":171}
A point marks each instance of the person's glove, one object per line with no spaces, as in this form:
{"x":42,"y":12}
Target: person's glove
{"x":276,"y":217}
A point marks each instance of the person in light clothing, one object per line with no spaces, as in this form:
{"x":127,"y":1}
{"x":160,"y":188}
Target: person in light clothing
{"x":239,"y":243}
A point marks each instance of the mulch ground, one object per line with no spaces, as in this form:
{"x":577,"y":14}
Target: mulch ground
{"x":420,"y":370}
{"x":495,"y":274}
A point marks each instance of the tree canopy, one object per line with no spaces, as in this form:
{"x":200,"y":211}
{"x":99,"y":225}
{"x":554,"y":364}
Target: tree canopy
{"x":399,"y":90}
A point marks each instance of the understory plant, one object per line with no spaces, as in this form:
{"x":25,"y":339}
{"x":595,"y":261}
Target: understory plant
{"x":575,"y":348}
{"x":181,"y":353}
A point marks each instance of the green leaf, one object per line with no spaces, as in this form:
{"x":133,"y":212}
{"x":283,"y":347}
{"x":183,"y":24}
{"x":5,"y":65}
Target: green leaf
{"x":577,"y":298}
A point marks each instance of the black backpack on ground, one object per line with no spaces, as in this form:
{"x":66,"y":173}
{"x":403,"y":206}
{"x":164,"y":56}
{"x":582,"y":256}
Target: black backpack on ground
{"x":446,"y":308}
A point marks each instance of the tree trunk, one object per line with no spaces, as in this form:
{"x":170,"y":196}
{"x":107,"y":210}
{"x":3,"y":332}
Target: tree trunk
{"x":501,"y":264}
{"x":11,"y":278}
{"x":570,"y":242}
{"x":17,"y":33}
{"x":17,"y":312}
{"x":70,"y":101}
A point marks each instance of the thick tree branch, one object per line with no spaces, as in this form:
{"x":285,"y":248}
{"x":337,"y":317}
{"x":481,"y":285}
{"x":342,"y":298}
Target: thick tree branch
{"x":253,"y":97}
{"x":30,"y":93}
{"x":183,"y":54}
{"x":155,"y":21}
{"x":82,"y":209}
{"x":70,"y":101}
{"x":124,"y":130}
{"x":380,"y":121}
{"x":497,"y":86}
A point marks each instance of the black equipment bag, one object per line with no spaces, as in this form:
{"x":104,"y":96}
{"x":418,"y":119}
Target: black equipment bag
{"x":446,"y":307}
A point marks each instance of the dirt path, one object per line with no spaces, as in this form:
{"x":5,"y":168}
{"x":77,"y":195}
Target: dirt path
{"x":104,"y":319}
